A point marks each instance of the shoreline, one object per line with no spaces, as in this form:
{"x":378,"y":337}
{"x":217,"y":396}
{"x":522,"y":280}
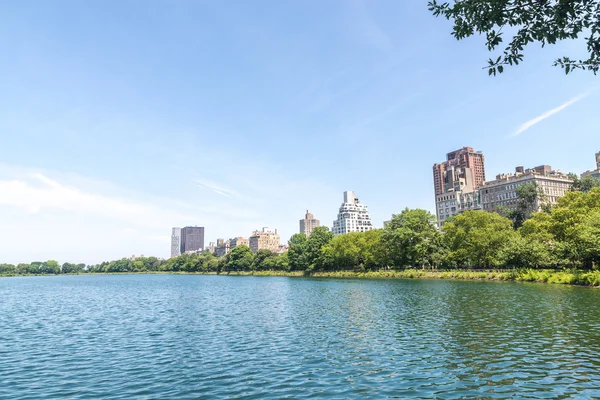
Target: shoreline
{"x":565,"y":277}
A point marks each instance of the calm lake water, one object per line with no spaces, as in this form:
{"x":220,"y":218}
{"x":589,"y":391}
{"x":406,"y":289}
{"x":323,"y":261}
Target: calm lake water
{"x":193,"y":337}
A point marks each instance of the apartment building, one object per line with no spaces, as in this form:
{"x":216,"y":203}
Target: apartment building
{"x":353,"y":216}
{"x":222,"y":248}
{"x":211,"y":248}
{"x":456,"y":181}
{"x":453,"y":203}
{"x":265,"y":239}
{"x":192,"y":239}
{"x":308,"y":224}
{"x":238,"y":241}
{"x":501,"y":193}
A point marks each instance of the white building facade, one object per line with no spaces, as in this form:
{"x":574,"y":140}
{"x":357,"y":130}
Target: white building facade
{"x":175,"y":242}
{"x":352,"y":216}
{"x":502,"y":192}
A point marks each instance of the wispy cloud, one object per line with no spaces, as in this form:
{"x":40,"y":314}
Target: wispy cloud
{"x":210,"y":185}
{"x":549,"y":113}
{"x":39,"y":192}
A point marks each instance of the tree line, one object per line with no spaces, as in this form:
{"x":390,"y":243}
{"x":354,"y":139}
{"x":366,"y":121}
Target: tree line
{"x":566,"y":235}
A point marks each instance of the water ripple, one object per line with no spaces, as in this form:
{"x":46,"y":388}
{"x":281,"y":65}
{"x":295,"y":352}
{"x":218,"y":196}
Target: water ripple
{"x":195,"y":337}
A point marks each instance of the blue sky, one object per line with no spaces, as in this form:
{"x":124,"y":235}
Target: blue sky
{"x":121,"y":119}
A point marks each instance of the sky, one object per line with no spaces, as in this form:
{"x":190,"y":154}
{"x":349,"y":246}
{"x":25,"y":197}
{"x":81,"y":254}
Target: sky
{"x":122,"y":119}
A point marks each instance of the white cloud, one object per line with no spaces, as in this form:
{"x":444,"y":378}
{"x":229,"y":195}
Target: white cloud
{"x":38,"y":192}
{"x":208,"y":184}
{"x":67,"y":217}
{"x":549,"y":113}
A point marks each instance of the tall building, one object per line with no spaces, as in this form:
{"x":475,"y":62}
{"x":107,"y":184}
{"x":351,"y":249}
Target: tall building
{"x":456,"y":181}
{"x":502,"y":192}
{"x":467,"y":164}
{"x":265,"y":239}
{"x":353,"y":216}
{"x":192,"y":239}
{"x":308,"y":224}
{"x":175,"y":242}
{"x":595,"y":173}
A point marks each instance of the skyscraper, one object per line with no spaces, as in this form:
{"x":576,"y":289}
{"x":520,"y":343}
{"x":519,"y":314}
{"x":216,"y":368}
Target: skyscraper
{"x":352,"y":216}
{"x":456,"y":181}
{"x":192,"y":239}
{"x":308,"y":224}
{"x":465,"y":163}
{"x":175,"y":242}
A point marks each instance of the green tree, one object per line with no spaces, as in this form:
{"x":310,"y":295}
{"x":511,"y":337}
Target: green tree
{"x":476,"y":239}
{"x":573,"y":223}
{"x":542,"y":21}
{"x":527,"y":252}
{"x":411,"y":238}
{"x":296,"y":250}
{"x":69,"y":268}
{"x":7,"y":269}
{"x":22,"y":269}
{"x":342,"y":252}
{"x":283,"y":262}
{"x":240,"y":259}
{"x":264,"y":260}
{"x":357,"y":251}
{"x":313,"y":256}
{"x":530,"y":197}
{"x":584,"y":184}
{"x":372,"y":251}
{"x":34,"y":267}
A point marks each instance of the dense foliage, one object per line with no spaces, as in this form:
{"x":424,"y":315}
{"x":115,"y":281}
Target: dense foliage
{"x":528,"y":21}
{"x":564,"y":236}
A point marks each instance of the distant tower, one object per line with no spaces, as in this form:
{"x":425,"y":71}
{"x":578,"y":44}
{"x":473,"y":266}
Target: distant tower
{"x":308,"y":224}
{"x":352,"y":216}
{"x":192,"y":239}
{"x":175,"y":242}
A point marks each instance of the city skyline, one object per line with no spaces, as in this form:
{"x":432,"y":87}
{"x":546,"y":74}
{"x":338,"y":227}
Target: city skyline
{"x":191,"y":112}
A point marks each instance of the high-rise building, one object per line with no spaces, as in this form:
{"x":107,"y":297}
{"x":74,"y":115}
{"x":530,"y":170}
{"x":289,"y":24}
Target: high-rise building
{"x":192,"y":239}
{"x":265,"y":239}
{"x":456,"y":181}
{"x":175,"y":242}
{"x":469,"y":165}
{"x":308,"y":224}
{"x":595,"y":173}
{"x":353,"y":216}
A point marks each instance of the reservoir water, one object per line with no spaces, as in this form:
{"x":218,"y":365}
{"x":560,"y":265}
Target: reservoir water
{"x":207,"y":337}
